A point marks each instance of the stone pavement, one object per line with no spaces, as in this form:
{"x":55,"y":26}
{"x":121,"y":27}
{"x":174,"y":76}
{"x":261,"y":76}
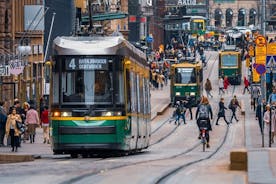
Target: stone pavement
{"x":261,"y":160}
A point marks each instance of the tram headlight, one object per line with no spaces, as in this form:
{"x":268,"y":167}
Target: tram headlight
{"x":111,"y":113}
{"x":56,"y":114}
{"x":192,"y":94}
{"x":66,"y":114}
{"x":177,"y":94}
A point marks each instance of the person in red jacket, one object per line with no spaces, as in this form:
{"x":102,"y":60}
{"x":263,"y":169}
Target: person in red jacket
{"x":246,"y":85}
{"x":45,"y":124}
{"x":226,"y":83}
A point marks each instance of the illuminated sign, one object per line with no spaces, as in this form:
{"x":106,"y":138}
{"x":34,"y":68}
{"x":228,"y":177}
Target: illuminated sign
{"x":186,"y":2}
{"x":87,"y":64}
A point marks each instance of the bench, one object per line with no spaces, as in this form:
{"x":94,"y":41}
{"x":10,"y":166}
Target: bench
{"x":238,"y":159}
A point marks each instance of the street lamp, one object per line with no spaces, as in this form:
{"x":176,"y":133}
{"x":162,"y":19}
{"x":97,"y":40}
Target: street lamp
{"x":24,"y":51}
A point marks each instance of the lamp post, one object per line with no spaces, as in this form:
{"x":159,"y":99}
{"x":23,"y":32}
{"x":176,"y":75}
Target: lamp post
{"x":272,"y":108}
{"x":23,"y":51}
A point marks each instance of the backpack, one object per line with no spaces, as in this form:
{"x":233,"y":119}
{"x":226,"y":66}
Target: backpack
{"x":203,"y":112}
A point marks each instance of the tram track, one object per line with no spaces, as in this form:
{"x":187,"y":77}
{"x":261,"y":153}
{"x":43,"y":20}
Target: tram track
{"x":169,"y":174}
{"x":181,"y":154}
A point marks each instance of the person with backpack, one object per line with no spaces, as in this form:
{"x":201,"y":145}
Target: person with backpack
{"x":233,"y":105}
{"x":204,"y":112}
{"x":180,"y":113}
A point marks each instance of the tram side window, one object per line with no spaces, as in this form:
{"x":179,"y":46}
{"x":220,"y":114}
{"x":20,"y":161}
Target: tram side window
{"x":133,"y":92}
{"x":148,"y":107}
{"x":140,"y":95}
{"x":128,"y":85}
{"x":55,"y":88}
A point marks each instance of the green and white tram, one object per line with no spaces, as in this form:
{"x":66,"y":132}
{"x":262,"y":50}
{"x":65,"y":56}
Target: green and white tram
{"x":100,"y":96}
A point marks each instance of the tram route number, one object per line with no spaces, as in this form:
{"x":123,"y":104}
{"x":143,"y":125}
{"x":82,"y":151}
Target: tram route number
{"x":87,"y":64}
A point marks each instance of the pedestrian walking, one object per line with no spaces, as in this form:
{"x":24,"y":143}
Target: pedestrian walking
{"x":226,"y":83}
{"x":255,"y":95}
{"x":12,"y":130}
{"x":3,"y":120}
{"x":208,"y":88}
{"x":180,"y":113}
{"x":32,"y":121}
{"x":267,"y":122}
{"x":272,"y":97}
{"x":233,"y":105}
{"x":188,"y":105}
{"x":221,"y":113}
{"x":260,"y":110}
{"x":161,"y":79}
{"x":26,"y":107}
{"x":246,"y":85}
{"x":45,"y":124}
{"x":221,"y":86}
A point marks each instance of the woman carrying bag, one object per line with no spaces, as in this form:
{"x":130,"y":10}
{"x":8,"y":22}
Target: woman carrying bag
{"x":12,"y":130}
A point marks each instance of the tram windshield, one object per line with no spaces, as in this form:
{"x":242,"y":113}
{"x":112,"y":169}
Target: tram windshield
{"x":185,"y":75}
{"x":197,"y":25}
{"x":229,"y":60}
{"x":90,"y":81}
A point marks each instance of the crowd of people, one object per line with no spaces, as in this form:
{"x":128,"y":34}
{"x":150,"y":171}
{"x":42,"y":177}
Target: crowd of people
{"x":18,"y":123}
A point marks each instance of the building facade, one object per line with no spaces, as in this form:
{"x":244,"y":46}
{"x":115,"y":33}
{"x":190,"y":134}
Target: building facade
{"x":21,"y":49}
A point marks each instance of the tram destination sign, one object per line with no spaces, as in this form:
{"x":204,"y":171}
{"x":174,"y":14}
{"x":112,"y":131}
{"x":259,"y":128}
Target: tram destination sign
{"x":87,"y":64}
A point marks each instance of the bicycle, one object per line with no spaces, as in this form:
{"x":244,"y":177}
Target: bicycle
{"x":203,"y":131}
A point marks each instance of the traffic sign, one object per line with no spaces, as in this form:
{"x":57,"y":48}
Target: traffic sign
{"x":260,"y":69}
{"x":271,"y":61}
{"x":271,"y":49}
{"x":149,"y":39}
{"x":260,"y":41}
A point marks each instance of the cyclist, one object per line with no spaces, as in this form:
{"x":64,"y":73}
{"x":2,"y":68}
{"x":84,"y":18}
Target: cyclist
{"x":204,"y":112}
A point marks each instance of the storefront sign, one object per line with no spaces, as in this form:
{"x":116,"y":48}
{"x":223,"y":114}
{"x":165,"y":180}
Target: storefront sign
{"x":186,"y":2}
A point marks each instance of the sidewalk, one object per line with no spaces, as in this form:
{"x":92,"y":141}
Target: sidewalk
{"x":160,"y":100}
{"x":261,"y":160}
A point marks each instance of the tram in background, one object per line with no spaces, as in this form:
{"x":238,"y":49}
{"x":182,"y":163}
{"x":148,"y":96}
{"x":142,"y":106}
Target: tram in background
{"x":230,"y":64}
{"x":183,"y":27}
{"x":101,"y":96}
{"x":187,"y":81}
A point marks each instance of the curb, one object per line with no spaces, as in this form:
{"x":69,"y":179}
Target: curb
{"x":163,"y":109}
{"x":4,"y":158}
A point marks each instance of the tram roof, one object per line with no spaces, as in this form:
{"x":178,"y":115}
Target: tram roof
{"x":96,"y":45}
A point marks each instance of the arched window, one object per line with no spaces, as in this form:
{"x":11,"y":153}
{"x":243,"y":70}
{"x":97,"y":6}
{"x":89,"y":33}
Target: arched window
{"x":241,"y":17}
{"x":228,"y":17}
{"x":218,"y":16}
{"x":252,"y":16}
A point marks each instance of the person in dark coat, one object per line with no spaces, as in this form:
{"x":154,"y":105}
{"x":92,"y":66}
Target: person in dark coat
{"x":260,"y":110}
{"x":221,"y":113}
{"x":234,"y":104}
{"x":188,"y":105}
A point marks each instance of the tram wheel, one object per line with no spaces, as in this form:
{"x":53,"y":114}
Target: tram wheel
{"x":74,"y":155}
